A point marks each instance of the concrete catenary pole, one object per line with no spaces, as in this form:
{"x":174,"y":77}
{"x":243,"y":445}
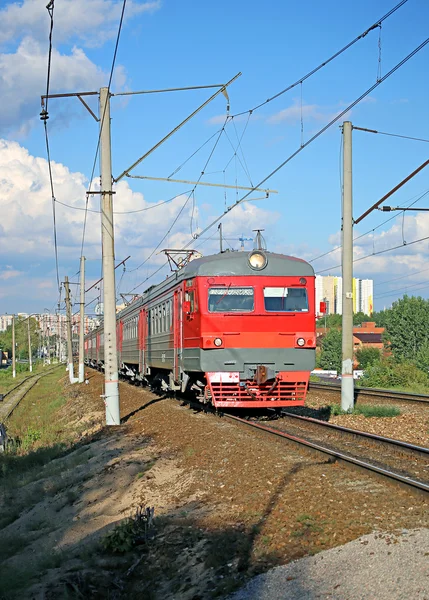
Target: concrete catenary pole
{"x":13,"y":348}
{"x":44,"y":338}
{"x":220,"y":237}
{"x":60,"y":330}
{"x":82,"y":321}
{"x":48,"y":332}
{"x":69,"y":332}
{"x":347,"y":382}
{"x":29,"y":345}
{"x":111,"y":378}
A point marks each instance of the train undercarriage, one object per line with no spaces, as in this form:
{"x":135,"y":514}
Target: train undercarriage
{"x":223,"y":389}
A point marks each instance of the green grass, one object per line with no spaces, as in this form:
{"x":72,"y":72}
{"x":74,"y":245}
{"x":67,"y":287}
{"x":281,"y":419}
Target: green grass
{"x":33,"y":422}
{"x":368,"y":410}
{"x":7,"y":381}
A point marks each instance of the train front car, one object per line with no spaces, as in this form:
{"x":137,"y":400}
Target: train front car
{"x":249,"y":327}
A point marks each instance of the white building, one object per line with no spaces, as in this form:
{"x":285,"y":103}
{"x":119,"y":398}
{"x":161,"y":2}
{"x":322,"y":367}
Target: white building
{"x":5,"y":322}
{"x":329,"y":289}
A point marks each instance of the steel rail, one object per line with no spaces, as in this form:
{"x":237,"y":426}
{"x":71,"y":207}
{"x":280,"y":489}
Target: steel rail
{"x":37,"y":377}
{"x":364,"y":434}
{"x":334,"y":455}
{"x":374,"y":392}
{"x":19,"y":385}
{"x":410,"y":484}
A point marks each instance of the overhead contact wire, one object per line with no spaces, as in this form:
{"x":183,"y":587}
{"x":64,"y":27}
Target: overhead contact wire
{"x":318,"y":134}
{"x":102,"y":121}
{"x":326,"y":62}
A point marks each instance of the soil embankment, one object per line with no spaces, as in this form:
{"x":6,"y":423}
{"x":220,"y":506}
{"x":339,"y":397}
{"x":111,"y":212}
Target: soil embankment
{"x":228,"y":503}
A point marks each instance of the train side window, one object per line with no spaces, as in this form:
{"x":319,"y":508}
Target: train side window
{"x":282,"y":299}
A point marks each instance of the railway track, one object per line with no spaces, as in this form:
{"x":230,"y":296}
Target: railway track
{"x":14,"y":396}
{"x":397,"y":461}
{"x":394,"y":460}
{"x":361,"y":392}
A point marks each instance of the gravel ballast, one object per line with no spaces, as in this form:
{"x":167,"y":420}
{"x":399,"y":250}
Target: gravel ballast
{"x":378,"y":566}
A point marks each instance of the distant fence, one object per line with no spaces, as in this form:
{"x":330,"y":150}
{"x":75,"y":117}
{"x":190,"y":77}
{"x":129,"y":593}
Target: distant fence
{"x":357,"y":374}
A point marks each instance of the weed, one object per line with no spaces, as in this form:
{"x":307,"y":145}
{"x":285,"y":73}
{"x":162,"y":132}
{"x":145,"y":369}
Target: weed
{"x":368,"y":410}
{"x":31,"y":436}
{"x":308,"y":524}
{"x":130,"y":532}
{"x":377,"y":411}
{"x":189,"y":452}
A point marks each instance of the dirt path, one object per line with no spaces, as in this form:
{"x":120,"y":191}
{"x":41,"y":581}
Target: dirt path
{"x":229,"y":503}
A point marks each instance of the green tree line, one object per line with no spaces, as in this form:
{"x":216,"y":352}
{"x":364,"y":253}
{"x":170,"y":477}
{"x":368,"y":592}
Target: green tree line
{"x":21,"y":337}
{"x":405,"y":360}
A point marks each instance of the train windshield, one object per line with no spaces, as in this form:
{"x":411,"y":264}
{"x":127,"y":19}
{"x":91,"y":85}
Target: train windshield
{"x":281,"y":299}
{"x":231,"y":299}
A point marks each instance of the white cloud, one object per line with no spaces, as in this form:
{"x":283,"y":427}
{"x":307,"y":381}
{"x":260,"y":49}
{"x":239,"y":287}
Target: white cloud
{"x":26,"y":224}
{"x":90,"y":21}
{"x":293,"y":113}
{"x":23,"y":77}
{"x":10,"y":273}
{"x":390,"y":251}
{"x":23,"y":64}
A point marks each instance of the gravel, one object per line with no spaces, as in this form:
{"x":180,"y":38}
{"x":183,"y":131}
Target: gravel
{"x":378,"y":566}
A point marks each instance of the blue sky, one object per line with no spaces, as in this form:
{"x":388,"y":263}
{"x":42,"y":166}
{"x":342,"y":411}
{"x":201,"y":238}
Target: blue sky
{"x":166,"y":44}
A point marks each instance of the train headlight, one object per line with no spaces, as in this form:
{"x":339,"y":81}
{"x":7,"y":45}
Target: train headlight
{"x":217,"y":342}
{"x":258,"y":260}
{"x":300,"y":341}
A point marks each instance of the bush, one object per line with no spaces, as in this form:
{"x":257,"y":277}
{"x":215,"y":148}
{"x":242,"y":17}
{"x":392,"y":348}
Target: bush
{"x":367,"y":357}
{"x":389,"y":374}
{"x":130,"y":532}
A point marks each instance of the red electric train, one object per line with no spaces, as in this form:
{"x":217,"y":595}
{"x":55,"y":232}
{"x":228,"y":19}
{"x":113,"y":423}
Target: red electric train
{"x":236,"y":329}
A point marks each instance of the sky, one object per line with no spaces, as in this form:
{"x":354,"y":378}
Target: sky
{"x":169,"y":44}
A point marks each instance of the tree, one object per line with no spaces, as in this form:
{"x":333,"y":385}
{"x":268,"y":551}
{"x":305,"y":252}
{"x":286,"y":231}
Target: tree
{"x":407,"y":327}
{"x":331,"y":355}
{"x":367,"y":357}
{"x":422,"y":357}
{"x":381,"y":317}
{"x":21,"y":337}
{"x":360,"y":317}
{"x":331,"y":321}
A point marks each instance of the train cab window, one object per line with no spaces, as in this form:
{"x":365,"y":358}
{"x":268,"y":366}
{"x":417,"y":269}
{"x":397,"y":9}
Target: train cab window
{"x":281,"y":299}
{"x":231,"y":299}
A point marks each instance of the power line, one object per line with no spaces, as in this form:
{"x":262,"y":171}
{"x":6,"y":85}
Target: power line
{"x":393,"y":292}
{"x":403,"y":277}
{"x":319,"y":133}
{"x":124,"y":212}
{"x":403,"y":245}
{"x":102,"y":121}
{"x":323,"y":129}
{"x":44,"y":117}
{"x":371,"y":230}
{"x":186,"y":202}
{"x":326,"y":62}
{"x":405,"y":137}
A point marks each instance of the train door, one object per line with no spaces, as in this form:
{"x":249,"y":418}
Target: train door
{"x":177,"y":333}
{"x":142,"y":341}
